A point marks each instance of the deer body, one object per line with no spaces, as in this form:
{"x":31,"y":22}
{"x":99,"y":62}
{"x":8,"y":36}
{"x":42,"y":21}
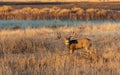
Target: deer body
{"x":77,"y":44}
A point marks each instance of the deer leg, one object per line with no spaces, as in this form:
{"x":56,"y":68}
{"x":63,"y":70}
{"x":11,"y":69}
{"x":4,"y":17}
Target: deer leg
{"x":88,"y":50}
{"x":71,"y":52}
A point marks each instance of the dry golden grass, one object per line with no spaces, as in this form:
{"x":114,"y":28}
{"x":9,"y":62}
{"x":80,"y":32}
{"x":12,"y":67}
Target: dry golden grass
{"x":42,"y":51}
{"x":73,"y":13}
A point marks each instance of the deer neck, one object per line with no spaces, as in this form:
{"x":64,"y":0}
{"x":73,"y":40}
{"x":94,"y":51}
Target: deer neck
{"x":67,"y":43}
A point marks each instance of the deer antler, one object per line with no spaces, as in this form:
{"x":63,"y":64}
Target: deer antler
{"x":58,"y":35}
{"x":73,"y":34}
{"x":69,"y":37}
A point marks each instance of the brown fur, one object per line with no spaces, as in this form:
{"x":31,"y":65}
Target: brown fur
{"x":77,"y":44}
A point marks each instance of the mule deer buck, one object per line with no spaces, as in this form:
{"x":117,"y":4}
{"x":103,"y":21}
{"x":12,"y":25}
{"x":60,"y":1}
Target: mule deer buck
{"x":77,"y":44}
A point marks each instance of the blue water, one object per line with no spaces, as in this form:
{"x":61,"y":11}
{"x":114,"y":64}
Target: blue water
{"x":44,"y":23}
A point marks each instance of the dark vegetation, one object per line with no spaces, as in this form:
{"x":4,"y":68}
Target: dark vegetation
{"x":83,"y":5}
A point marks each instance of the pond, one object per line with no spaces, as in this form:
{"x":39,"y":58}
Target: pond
{"x":51,"y":23}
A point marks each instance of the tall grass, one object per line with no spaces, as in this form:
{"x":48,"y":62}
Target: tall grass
{"x":42,"y":51}
{"x":75,"y":13}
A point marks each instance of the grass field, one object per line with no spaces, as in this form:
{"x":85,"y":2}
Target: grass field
{"x":42,"y":51}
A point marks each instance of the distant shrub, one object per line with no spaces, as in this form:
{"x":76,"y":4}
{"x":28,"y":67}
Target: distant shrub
{"x":45,"y":9}
{"x":64,"y":11}
{"x":75,"y":9}
{"x":55,"y":8}
{"x":101,"y":12}
{"x":91,"y":11}
{"x":5,"y":8}
{"x":35,"y":11}
{"x":26,"y":9}
{"x":80,"y":12}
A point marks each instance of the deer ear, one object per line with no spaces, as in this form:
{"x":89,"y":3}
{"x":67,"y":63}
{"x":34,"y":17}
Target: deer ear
{"x":69,"y":37}
{"x":64,"y":38}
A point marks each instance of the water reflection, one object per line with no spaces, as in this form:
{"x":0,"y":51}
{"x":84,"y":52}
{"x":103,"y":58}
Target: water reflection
{"x":44,"y":23}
